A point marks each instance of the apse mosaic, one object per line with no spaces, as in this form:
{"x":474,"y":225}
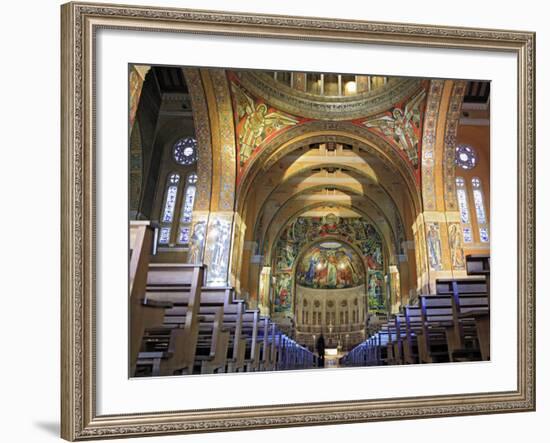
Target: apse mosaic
{"x":330,"y":265}
{"x":304,"y":230}
{"x":307,"y":229}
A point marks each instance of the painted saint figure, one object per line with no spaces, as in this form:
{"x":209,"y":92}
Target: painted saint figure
{"x":332,"y":280}
{"x":219,"y":244}
{"x":197,"y":243}
{"x":434,"y":246}
{"x":455,"y":241}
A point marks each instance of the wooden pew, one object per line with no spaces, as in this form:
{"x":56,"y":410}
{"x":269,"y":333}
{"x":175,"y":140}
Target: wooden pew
{"x":141,"y":237}
{"x":213,"y":336}
{"x":180,"y":341}
{"x":480,"y":265}
{"x":164,"y":286}
{"x":451,"y":325}
{"x":209,"y":331}
{"x":415,"y":346}
{"x":396,"y":338}
{"x":470,"y":301}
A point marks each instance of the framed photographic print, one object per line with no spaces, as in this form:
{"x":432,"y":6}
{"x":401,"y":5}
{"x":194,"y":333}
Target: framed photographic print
{"x":280,"y":221}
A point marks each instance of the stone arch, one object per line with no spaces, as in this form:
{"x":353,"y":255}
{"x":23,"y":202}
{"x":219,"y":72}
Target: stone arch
{"x":306,"y":247}
{"x":389,"y":246}
{"x":203,"y":136}
{"x":283,"y":280}
{"x":358,"y":173}
{"x":316,"y":132}
{"x":355,"y":208}
{"x":369,"y":146}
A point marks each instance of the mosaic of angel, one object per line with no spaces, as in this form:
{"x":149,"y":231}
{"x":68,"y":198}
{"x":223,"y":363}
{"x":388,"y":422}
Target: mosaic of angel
{"x":255,"y":122}
{"x":402,"y":126}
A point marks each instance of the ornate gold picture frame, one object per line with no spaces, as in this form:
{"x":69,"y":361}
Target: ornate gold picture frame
{"x":80,"y":23}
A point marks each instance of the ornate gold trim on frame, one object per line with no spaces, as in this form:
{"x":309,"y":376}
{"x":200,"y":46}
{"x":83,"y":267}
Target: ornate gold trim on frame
{"x":79,"y":23}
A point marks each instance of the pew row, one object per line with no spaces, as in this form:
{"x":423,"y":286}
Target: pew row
{"x":189,"y":328}
{"x":448,"y":326}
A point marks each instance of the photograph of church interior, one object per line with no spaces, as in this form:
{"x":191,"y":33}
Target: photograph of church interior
{"x":292,"y":220}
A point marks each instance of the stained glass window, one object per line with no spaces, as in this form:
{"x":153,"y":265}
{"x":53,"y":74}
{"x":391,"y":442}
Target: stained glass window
{"x":467,"y":234}
{"x":184,"y":151}
{"x":484,"y":235}
{"x":187,"y":208}
{"x":187,"y":212}
{"x":184,"y":234}
{"x":169,"y":208}
{"x":462,"y":198}
{"x":465,"y":156}
{"x":170,"y":199}
{"x":480,"y":210}
{"x":164,"y":237}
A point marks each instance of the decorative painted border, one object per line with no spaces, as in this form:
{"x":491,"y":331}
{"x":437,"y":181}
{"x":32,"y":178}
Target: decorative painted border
{"x":202,"y":131}
{"x":227,"y":139}
{"x":451,"y":129}
{"x":428,"y":144}
{"x":79,"y":22}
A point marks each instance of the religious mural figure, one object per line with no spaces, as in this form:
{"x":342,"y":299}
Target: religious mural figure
{"x":310,"y":274}
{"x":375,"y":290}
{"x":283,"y":291}
{"x":286,"y":258}
{"x":219,"y":250}
{"x":330,"y":265}
{"x":329,"y":226}
{"x":402,"y":126}
{"x":255,"y":122}
{"x":455,"y":241}
{"x":332,"y":275}
{"x":299,"y":228}
{"x":196,"y":243}
{"x":316,"y":269}
{"x":434,"y":246}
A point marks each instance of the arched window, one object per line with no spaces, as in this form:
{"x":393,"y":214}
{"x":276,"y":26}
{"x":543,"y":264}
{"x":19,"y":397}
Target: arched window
{"x":187,"y":208}
{"x":170,"y":199}
{"x":462,"y":198}
{"x":481,"y":217}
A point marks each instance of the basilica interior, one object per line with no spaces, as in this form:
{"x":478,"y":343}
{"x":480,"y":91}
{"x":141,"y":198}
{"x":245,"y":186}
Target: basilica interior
{"x":291,"y":220}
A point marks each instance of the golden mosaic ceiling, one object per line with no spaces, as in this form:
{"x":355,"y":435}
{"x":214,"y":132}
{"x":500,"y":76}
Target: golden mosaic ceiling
{"x":347,"y":103}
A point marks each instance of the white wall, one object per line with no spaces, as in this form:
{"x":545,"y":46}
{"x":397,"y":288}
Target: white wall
{"x":29,"y":99}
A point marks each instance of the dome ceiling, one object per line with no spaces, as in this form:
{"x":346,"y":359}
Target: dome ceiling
{"x":312,"y":105}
